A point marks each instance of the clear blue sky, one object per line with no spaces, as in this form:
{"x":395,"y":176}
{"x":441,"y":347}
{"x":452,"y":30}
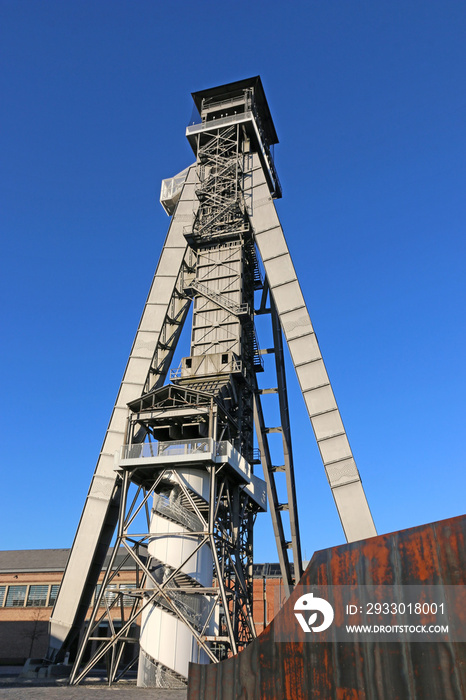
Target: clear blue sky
{"x":369,"y":102}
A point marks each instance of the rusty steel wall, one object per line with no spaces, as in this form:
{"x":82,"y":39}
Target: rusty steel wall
{"x":266,"y":670}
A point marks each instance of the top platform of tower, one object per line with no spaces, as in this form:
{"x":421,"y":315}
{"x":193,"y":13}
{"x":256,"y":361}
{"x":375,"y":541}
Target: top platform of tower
{"x":225,"y":97}
{"x":242,"y":103}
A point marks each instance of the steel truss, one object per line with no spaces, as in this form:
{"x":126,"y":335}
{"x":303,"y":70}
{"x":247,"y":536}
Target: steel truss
{"x":220,"y":171}
{"x":173,"y":323}
{"x":225,"y":524}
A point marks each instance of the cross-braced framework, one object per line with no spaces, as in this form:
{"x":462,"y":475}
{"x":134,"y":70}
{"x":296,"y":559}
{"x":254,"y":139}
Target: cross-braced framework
{"x":223,"y":524}
{"x":173,"y":323}
{"x":220,"y":170}
{"x":188,"y":448}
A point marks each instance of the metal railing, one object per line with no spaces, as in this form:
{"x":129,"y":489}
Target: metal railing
{"x":175,"y":511}
{"x":175,"y":448}
{"x":176,"y":373}
{"x":244,"y":99}
{"x":252,"y":115}
{"x":194,"y":607}
{"x":171,"y":448}
{"x":206,"y":449}
{"x":173,"y":185}
{"x":234,"y":367}
{"x":223,"y":121}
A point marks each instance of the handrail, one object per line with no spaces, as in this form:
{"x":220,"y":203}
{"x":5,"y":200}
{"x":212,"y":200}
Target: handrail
{"x":220,"y":299}
{"x":249,"y":115}
{"x":244,"y":98}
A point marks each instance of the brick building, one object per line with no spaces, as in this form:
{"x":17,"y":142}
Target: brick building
{"x":29,"y":583}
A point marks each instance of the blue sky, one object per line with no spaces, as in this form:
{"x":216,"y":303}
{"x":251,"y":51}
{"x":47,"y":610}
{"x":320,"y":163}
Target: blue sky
{"x":369,"y":103}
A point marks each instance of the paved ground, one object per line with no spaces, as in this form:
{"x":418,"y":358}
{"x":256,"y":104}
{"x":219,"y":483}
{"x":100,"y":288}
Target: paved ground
{"x":89,"y":692}
{"x":13,"y":688}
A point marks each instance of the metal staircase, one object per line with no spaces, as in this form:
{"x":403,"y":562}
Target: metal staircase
{"x":220,"y":299}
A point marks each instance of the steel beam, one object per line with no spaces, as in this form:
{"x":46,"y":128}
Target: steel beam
{"x":100,"y":512}
{"x":337,"y":457}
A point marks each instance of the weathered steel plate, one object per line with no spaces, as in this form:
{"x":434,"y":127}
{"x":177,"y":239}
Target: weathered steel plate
{"x":266,"y":670}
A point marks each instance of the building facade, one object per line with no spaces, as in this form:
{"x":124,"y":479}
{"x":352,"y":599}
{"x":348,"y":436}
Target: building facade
{"x":29,"y":583}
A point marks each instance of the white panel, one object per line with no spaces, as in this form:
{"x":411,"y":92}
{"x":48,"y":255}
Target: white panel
{"x":144,"y":344}
{"x":118,"y":419}
{"x":354,"y":512}
{"x":129,"y":392}
{"x":327,"y":424}
{"x":341,"y":473}
{"x":102,"y":486}
{"x":304,"y":349}
{"x":280,"y":270}
{"x":288,"y":297}
{"x":296,"y":323}
{"x":184,"y":212}
{"x":162,"y":288}
{"x":183,"y":650}
{"x":268,"y":216}
{"x":261,"y":189}
{"x":107,"y":463}
{"x":113,"y":442}
{"x":160,"y":646}
{"x":153,"y":317}
{"x":334,"y":448}
{"x":170,"y":260}
{"x":136,"y":370}
{"x":320,"y":400}
{"x":271,"y":243}
{"x":311,"y":375}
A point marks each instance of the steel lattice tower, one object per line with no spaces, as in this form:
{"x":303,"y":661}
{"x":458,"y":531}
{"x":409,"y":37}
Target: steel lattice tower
{"x":183,"y":453}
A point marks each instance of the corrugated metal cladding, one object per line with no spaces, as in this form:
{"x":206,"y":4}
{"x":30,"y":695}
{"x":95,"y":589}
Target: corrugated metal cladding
{"x":429,"y":554}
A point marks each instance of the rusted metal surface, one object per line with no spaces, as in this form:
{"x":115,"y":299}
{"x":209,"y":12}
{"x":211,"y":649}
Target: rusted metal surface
{"x":266,"y":670}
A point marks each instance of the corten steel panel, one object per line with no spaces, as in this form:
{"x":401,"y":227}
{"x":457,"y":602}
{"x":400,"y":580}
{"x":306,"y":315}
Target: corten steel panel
{"x":429,"y":554}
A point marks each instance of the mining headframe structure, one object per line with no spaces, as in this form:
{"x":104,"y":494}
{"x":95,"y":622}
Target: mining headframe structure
{"x":175,"y":486}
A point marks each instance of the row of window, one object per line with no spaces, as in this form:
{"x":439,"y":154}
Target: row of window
{"x":45,"y":595}
{"x":40,"y":596}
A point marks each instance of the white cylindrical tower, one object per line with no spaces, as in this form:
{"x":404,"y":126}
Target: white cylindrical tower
{"x":167,"y":644}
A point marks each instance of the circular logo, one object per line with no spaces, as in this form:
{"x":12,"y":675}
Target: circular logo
{"x":311,"y":605}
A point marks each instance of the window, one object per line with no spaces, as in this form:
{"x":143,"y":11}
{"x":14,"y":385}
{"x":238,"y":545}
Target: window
{"x":37,"y":597}
{"x":127,"y":599}
{"x":15,"y":596}
{"x":33,"y":596}
{"x":53,"y":594}
{"x":109,"y":595}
